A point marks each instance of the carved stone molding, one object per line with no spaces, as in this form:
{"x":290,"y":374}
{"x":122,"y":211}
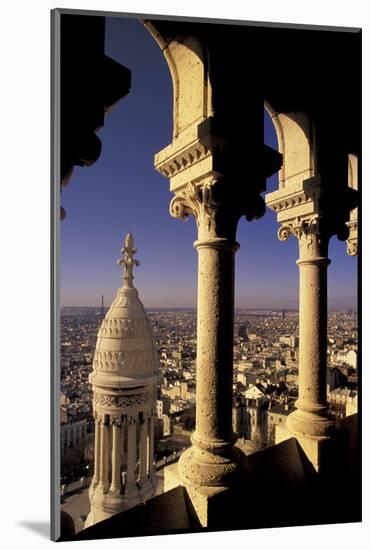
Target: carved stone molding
{"x":297,"y":199}
{"x":123,"y":328}
{"x":184,"y":159}
{"x":115,"y":361}
{"x":116,"y":402}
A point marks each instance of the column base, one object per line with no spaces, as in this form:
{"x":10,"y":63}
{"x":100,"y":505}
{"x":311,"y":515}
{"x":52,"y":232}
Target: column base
{"x":314,"y":434}
{"x":115,"y":491}
{"x":210,"y":507}
{"x":310,"y":425}
{"x":103,"y":506}
{"x":103,"y":487}
{"x":199,"y":467}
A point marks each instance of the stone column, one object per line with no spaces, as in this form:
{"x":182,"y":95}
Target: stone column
{"x":310,"y":211}
{"x":143,"y":451}
{"x":212,"y":460}
{"x":150,"y":447}
{"x":209,"y":183}
{"x":122,"y":439}
{"x":132,"y":456}
{"x":96,"y":451}
{"x":310,"y":420}
{"x":116,"y":457}
{"x":104,"y":454}
{"x":352,"y":241}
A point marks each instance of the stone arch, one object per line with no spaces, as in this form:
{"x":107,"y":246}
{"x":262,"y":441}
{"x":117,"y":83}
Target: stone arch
{"x":187,"y":63}
{"x":297,"y":144}
{"x":353,"y":171}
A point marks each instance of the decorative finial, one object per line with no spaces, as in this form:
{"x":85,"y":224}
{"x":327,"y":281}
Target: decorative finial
{"x":128,"y":260}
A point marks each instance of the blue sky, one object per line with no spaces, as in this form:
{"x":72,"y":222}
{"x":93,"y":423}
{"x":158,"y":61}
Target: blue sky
{"x":123,"y":192}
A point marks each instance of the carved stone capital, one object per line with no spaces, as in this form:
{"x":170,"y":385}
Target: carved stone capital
{"x":199,"y":201}
{"x":313,"y":234}
{"x":116,"y":420}
{"x":352,"y":241}
{"x":313,"y":213}
{"x":203,"y":166}
{"x":217,"y":206}
{"x":352,"y":248}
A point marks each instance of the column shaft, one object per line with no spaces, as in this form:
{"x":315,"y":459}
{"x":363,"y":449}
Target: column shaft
{"x":213,"y":460}
{"x":313,"y":335}
{"x":96,"y":452}
{"x":150,"y":445}
{"x":116,"y":453}
{"x":215,"y":311}
{"x":104,"y":453}
{"x":131,"y":456}
{"x":143,"y":450}
{"x":310,"y":420}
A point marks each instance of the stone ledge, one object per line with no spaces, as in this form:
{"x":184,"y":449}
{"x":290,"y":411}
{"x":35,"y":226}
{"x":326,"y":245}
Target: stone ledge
{"x":166,"y":513}
{"x":280,"y":488}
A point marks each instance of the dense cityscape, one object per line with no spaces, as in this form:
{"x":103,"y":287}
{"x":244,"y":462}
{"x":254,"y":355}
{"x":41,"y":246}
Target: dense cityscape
{"x":265,"y":379}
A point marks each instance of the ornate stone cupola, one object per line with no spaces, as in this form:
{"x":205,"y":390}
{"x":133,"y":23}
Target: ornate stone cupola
{"x":124,"y":380}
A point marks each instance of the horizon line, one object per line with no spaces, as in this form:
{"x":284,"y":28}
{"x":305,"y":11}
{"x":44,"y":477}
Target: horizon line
{"x":236,"y":307}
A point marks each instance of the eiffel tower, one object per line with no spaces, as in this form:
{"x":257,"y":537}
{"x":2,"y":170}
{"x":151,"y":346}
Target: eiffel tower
{"x":102,"y":310}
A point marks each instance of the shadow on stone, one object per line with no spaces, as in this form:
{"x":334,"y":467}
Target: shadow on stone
{"x":166,"y":513}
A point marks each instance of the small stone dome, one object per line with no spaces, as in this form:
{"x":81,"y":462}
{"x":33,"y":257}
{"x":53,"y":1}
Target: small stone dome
{"x":125,"y":352}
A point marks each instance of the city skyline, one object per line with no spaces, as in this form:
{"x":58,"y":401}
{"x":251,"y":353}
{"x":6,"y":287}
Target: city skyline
{"x":122,"y":192}
{"x":237,"y":309}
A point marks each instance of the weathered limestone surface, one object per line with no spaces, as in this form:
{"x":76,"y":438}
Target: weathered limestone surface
{"x":304,"y":209}
{"x":310,"y":419}
{"x":212,"y":460}
{"x":216,"y":166}
{"x":202,"y":164}
{"x":352,"y":241}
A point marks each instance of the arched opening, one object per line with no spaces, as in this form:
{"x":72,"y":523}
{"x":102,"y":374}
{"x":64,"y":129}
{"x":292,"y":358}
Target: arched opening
{"x":269,"y":288}
{"x":257,"y":286}
{"x":296,"y":140}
